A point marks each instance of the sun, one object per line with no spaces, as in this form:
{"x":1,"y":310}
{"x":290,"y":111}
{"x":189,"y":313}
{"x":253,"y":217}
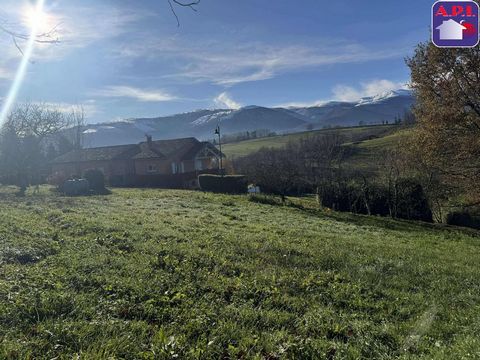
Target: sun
{"x":33,"y":18}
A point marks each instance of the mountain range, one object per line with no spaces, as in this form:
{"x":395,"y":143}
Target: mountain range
{"x":201,"y":123}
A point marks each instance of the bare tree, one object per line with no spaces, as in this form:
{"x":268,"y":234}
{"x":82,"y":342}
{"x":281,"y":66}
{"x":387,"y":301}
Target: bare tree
{"x":189,"y":4}
{"x":322,"y":156}
{"x":275,"y":170}
{"x":24,"y":141}
{"x":52,"y":37}
{"x":76,"y":123}
{"x":18,"y":36}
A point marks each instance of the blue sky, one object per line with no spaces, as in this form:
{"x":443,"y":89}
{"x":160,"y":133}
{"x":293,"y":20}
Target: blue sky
{"x":123,"y":58}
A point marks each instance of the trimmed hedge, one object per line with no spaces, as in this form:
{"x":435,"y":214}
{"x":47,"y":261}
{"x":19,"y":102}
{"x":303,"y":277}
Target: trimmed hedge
{"x":76,"y":187}
{"x":96,"y":179}
{"x":463,"y":219}
{"x":228,"y":184}
{"x":410,"y":203}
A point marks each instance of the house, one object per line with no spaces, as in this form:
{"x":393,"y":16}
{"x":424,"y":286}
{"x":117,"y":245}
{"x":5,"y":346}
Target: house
{"x":164,"y":163}
{"x":451,"y":30}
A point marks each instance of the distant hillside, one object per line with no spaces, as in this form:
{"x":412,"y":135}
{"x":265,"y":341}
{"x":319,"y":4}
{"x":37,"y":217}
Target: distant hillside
{"x":201,"y":123}
{"x":365,"y":144}
{"x":352,"y":134}
{"x":369,"y":110}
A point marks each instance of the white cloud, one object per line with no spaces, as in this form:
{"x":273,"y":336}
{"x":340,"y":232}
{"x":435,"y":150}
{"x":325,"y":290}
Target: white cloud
{"x":371,"y":88}
{"x":351,"y":94}
{"x":5,"y":74}
{"x":302,"y":104}
{"x":263,"y":62}
{"x":89,"y":108}
{"x":228,"y":63}
{"x":144,"y":95}
{"x":224,"y":100}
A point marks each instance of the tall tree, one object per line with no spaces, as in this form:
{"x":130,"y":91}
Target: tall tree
{"x":25,"y":140}
{"x":447,"y":137}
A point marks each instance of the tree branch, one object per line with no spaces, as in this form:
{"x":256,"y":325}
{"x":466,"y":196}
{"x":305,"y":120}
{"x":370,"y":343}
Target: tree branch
{"x":190,"y":5}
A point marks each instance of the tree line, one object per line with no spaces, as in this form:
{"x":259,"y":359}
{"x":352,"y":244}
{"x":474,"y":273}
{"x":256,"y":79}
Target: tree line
{"x":319,"y":164}
{"x":430,"y":173}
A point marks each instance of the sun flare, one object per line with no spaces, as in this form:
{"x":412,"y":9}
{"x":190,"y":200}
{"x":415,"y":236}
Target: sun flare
{"x":35,"y":18}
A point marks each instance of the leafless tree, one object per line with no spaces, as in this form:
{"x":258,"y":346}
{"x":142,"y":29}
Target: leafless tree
{"x":19,"y":36}
{"x":275,"y":170}
{"x":52,"y":36}
{"x":24,"y":140}
{"x":38,"y":120}
{"x":76,"y":123}
{"x":189,"y":4}
{"x":322,"y":156}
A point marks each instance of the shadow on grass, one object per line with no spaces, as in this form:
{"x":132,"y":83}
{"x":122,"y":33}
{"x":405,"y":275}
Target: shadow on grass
{"x":394,"y":224}
{"x":365,"y":220}
{"x":102,"y":192}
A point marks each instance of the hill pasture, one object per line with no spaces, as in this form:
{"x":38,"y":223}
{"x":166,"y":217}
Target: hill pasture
{"x":161,"y":274}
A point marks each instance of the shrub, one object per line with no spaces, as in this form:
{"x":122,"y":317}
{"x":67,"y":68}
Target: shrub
{"x":96,"y":179}
{"x":409,"y":203}
{"x":412,"y":203}
{"x":464,"y":219}
{"x":229,"y":184}
{"x":76,"y":187}
{"x":57,"y":179}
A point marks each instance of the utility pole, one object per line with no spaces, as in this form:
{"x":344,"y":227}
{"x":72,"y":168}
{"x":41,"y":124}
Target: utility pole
{"x":218,"y":132}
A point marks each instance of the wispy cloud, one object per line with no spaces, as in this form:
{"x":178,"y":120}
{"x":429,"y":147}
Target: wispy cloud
{"x":229,"y":63}
{"x":302,"y":104}
{"x":74,"y":26}
{"x":225,"y":100}
{"x":371,"y":88}
{"x":144,"y":95}
{"x":5,"y":74}
{"x":89,"y":107}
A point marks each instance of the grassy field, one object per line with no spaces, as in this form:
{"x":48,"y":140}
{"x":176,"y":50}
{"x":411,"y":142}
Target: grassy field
{"x":242,"y":148}
{"x":152,"y":274}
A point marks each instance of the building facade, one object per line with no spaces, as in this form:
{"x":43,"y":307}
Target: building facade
{"x":163,"y":163}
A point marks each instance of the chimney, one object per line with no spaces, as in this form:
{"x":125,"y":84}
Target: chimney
{"x":149,"y":139}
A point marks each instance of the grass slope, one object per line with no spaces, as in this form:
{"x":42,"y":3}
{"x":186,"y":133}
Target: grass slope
{"x":151,"y":274}
{"x":243,"y":148}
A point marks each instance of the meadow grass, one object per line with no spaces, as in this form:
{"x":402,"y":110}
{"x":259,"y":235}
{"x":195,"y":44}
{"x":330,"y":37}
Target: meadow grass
{"x":246,"y":147}
{"x":162,"y":274}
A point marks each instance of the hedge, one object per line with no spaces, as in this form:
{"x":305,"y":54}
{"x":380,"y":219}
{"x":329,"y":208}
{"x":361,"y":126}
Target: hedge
{"x":228,"y":184}
{"x":464,"y":219}
{"x":96,"y":179}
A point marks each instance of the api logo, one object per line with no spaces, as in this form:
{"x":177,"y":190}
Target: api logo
{"x":455,"y":24}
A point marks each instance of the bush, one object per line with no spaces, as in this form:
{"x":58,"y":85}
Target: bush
{"x":412,"y":203}
{"x":58,"y":180}
{"x":76,"y":187}
{"x":229,"y":184}
{"x":96,"y":179}
{"x":464,"y":219}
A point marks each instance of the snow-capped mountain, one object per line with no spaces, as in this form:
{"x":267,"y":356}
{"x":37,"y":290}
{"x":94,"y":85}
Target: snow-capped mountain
{"x":368,"y":110}
{"x":201,"y":123}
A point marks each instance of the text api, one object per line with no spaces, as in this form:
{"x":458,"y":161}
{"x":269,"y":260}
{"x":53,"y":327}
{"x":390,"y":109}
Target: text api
{"x":455,"y":24}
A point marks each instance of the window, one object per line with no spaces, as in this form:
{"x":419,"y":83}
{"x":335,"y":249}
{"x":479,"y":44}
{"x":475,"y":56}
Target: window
{"x":151,"y":169}
{"x":174,"y":168}
{"x":198,"y":165}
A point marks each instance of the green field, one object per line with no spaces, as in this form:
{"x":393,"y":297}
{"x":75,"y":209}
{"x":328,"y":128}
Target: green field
{"x":242,"y":148}
{"x":152,"y":274}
